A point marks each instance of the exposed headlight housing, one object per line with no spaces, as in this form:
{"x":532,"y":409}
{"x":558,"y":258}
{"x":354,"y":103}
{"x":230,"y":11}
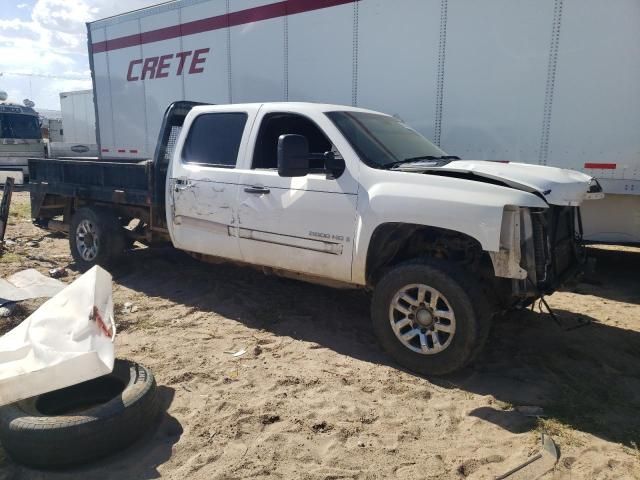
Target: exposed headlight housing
{"x":595,"y":190}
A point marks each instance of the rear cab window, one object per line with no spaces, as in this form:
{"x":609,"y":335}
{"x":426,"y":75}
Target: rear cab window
{"x":214,"y":139}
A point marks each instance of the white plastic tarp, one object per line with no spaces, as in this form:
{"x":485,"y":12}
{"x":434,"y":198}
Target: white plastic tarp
{"x":27,"y":284}
{"x":68,"y":340}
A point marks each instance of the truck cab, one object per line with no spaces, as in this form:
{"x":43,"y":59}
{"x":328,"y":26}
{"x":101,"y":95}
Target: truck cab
{"x":364,"y":176}
{"x":20,"y":136}
{"x":341,"y":196}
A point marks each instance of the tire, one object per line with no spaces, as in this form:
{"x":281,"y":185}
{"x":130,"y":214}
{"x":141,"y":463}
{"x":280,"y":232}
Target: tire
{"x":459,"y":337}
{"x":95,"y":227}
{"x":83,"y":422}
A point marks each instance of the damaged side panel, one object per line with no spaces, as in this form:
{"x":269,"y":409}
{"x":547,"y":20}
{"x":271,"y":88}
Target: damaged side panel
{"x":203,"y":181}
{"x":517,"y":256}
{"x":204,"y":212}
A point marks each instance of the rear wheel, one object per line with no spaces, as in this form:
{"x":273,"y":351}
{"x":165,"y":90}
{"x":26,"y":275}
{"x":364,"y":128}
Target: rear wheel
{"x":430,"y":317}
{"x":95,"y":237}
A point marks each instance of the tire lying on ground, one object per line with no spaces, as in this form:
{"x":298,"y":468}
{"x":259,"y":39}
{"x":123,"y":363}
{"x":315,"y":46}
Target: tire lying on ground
{"x":83,"y":422}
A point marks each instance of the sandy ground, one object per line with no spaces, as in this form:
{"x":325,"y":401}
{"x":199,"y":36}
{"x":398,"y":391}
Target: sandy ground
{"x":314,"y":397}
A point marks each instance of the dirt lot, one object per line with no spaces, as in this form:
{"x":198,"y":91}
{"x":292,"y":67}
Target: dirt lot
{"x":314,"y":397}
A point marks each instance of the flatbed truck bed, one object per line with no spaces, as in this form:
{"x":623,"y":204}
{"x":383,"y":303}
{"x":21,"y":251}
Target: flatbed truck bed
{"x":59,"y":186}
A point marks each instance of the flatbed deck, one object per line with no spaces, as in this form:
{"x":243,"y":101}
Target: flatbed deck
{"x":96,"y":180}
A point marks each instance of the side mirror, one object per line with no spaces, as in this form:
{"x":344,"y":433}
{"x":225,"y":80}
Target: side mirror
{"x":293,"y":156}
{"x":334,"y":165}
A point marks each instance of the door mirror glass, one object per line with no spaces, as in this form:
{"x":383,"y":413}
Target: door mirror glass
{"x":293,"y":156}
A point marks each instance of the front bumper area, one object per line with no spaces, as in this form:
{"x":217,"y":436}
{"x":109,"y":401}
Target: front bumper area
{"x":553,"y":251}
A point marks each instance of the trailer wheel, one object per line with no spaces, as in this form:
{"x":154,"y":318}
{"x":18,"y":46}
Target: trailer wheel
{"x":430,"y":317}
{"x":95,"y":237}
{"x":83,"y":422}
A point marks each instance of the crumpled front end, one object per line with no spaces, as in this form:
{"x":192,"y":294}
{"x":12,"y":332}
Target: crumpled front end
{"x":558,"y":186}
{"x":554,"y":251}
{"x":540,"y":249}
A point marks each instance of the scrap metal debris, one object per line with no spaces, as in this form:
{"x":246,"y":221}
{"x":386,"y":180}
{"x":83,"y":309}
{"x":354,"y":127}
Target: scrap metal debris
{"x":58,"y":272}
{"x":7,"y":309}
{"x":129,"y":307}
{"x":536,"y":466}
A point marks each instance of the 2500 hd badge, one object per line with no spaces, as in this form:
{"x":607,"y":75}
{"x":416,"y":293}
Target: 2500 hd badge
{"x":329,"y":236}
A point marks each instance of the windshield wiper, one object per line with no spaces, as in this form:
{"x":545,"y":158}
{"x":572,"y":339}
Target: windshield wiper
{"x":431,"y":157}
{"x":393,"y":165}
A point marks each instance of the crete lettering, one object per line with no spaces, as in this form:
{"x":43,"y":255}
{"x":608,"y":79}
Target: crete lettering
{"x":191,"y":61}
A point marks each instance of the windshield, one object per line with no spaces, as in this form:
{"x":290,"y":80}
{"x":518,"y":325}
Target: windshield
{"x":383,"y":141}
{"x":16,"y":125}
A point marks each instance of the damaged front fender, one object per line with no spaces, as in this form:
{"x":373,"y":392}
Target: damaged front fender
{"x":515,"y":232}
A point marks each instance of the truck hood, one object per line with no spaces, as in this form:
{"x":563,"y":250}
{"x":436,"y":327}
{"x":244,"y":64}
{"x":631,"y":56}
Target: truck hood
{"x":557,"y":186}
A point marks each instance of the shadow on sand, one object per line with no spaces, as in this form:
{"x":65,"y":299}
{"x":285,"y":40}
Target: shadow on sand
{"x":616,"y":275}
{"x":587,"y":379}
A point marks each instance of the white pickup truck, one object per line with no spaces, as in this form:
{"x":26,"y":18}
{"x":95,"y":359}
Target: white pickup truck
{"x":341,"y":196}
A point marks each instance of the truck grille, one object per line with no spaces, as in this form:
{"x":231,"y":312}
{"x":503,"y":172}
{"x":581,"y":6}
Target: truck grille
{"x":556,"y":245}
{"x":540,"y":246}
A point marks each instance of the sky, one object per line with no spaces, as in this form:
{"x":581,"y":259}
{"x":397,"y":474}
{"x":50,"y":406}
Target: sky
{"x":46,"y":42}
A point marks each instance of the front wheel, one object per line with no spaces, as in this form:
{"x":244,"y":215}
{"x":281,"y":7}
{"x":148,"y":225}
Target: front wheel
{"x":430,"y":317}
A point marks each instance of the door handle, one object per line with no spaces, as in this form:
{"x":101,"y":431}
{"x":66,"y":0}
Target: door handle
{"x":182,"y":184}
{"x":257,"y":190}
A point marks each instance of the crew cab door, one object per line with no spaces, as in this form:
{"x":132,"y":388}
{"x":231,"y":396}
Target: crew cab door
{"x":202,"y":184}
{"x":304,"y":224}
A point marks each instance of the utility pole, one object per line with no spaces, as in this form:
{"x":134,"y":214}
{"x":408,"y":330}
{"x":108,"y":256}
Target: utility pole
{"x":43,"y":75}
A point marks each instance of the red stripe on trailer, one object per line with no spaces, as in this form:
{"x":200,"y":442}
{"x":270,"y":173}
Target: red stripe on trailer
{"x":241,"y":17}
{"x":601,"y":166}
{"x":105,"y":150}
{"x":133,"y":151}
{"x":121,"y":150}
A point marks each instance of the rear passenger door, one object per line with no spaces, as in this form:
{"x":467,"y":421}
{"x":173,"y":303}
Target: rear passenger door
{"x":203,"y":181}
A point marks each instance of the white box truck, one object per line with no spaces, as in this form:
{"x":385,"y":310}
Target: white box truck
{"x":549,"y":82}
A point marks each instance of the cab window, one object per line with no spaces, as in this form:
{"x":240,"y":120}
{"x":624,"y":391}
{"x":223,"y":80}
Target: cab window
{"x":273,"y":125}
{"x":214,"y":139}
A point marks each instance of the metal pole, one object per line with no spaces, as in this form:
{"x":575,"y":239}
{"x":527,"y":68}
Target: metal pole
{"x":4,"y":206}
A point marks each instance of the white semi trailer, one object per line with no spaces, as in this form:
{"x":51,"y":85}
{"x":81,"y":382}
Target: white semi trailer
{"x":78,"y":126}
{"x":550,"y":82}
